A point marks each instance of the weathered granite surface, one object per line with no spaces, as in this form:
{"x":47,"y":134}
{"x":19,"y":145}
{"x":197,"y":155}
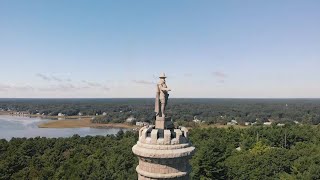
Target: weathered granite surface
{"x":163,"y":154}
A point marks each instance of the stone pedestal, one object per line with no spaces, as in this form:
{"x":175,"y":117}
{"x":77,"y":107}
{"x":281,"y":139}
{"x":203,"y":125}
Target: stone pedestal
{"x":163,"y":153}
{"x":164,"y":123}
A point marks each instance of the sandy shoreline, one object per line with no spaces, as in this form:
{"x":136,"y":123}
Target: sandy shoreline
{"x":73,"y":122}
{"x":83,"y":122}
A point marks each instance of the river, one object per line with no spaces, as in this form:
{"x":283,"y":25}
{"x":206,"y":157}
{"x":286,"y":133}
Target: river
{"x":19,"y":126}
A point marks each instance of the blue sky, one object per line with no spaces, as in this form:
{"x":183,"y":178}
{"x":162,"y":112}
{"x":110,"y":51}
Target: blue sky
{"x":215,"y":49}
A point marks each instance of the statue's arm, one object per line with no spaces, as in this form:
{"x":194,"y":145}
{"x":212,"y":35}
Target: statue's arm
{"x":163,"y":88}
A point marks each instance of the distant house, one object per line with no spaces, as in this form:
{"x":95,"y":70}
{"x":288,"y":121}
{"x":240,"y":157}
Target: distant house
{"x":232,"y":123}
{"x":97,"y":114}
{"x":60,"y":114}
{"x":267,"y":123}
{"x":142,"y":123}
{"x":247,"y":123}
{"x":139,"y":123}
{"x":22,"y":113}
{"x":280,"y":124}
{"x":296,"y":122}
{"x":104,"y":113}
{"x":197,"y":121}
{"x":130,"y":119}
{"x":80,"y":114}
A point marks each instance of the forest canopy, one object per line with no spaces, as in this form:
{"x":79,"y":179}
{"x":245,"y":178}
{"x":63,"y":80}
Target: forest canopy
{"x":289,"y":152}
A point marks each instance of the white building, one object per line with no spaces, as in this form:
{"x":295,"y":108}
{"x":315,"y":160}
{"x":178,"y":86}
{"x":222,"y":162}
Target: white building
{"x":267,"y":123}
{"x":142,"y":123}
{"x":130,"y":119}
{"x":60,"y":114}
{"x":232,"y":123}
{"x":104,"y":113}
{"x":196,"y":120}
{"x":254,"y":123}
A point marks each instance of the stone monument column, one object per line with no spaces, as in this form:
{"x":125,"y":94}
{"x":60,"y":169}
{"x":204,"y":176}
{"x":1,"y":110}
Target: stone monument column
{"x":163,"y":151}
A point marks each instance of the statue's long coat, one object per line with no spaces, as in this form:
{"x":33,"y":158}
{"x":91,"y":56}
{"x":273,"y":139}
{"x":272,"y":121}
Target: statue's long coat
{"x":157,"y":106}
{"x":157,"y":103}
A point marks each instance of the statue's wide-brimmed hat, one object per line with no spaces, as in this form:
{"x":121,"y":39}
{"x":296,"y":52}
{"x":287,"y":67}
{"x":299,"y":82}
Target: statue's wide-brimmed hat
{"x":163,"y":75}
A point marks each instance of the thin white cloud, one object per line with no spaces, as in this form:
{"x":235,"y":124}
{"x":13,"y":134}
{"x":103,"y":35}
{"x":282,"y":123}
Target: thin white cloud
{"x":67,"y":85}
{"x":4,"y":87}
{"x":52,"y":78}
{"x":105,"y":88}
{"x":220,"y":74}
{"x":92,"y":84}
{"x":187,"y":75}
{"x":142,"y":82}
{"x":43,"y":77}
{"x":23,"y":88}
{"x":61,"y":87}
{"x":56,"y":79}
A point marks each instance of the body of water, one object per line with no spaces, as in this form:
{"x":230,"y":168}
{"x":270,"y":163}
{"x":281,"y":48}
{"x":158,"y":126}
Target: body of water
{"x":19,"y":126}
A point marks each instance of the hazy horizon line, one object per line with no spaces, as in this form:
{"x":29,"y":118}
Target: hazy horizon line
{"x":154,"y":98}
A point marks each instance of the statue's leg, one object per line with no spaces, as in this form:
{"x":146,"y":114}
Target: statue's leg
{"x":163,"y":106}
{"x":158,"y":107}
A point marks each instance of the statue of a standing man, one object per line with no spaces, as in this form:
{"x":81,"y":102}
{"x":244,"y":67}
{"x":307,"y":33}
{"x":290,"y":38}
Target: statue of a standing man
{"x":161,"y":96}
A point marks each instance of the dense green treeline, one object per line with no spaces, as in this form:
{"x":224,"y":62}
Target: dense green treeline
{"x":290,"y":152}
{"x":211,"y":111}
{"x":76,"y":157}
{"x":257,"y":153}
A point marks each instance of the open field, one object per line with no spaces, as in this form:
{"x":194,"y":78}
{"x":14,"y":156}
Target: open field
{"x":223,"y":126}
{"x":83,"y":122}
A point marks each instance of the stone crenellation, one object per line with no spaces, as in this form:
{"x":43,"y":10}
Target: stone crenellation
{"x":150,"y":135}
